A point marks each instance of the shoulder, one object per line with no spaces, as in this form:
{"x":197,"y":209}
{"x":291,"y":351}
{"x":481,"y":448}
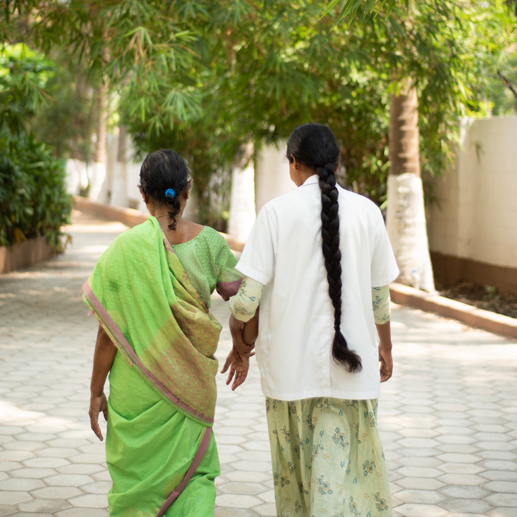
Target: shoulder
{"x":281,"y":204}
{"x":360,"y":203}
{"x":213,"y":240}
{"x":209,"y":234}
{"x":135,"y":234}
{"x":129,"y":244}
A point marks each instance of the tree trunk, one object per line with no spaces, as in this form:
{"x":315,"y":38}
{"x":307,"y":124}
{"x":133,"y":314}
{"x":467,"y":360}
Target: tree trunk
{"x":119,"y":184}
{"x":99,"y":158}
{"x":406,"y":219}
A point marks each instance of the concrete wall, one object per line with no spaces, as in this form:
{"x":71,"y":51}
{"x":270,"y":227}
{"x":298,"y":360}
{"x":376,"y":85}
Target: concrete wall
{"x":253,"y":185}
{"x":242,"y":201}
{"x":476,"y":220}
{"x":271,"y":174}
{"x":78,"y":173}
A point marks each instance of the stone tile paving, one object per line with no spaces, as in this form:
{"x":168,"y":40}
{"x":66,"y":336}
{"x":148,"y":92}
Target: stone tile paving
{"x":448,"y":417}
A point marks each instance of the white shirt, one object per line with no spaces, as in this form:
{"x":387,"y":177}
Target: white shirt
{"x":296,"y":327}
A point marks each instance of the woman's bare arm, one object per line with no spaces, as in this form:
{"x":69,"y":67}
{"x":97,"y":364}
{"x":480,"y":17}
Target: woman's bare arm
{"x":103,"y":358}
{"x":250,"y":330}
{"x":385,"y":346}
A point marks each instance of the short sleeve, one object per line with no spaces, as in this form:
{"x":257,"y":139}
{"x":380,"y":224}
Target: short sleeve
{"x":258,"y":257}
{"x":228,"y":278}
{"x":384,"y":267}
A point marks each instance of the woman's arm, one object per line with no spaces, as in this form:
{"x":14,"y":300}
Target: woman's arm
{"x":244,"y":308}
{"x":250,"y":330}
{"x":244,"y":329}
{"x":382,"y":316}
{"x":103,"y":358}
{"x":385,"y":346}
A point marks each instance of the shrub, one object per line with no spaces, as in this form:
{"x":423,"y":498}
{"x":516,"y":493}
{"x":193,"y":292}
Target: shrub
{"x":33,"y":197}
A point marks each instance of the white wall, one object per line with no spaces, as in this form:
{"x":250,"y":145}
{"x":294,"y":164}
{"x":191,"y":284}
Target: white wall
{"x":78,"y":173}
{"x":271,"y":174}
{"x":477,"y":216}
{"x":242,"y":201}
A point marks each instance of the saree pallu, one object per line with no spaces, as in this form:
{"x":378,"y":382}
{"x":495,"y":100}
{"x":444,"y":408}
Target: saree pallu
{"x":160,"y":451}
{"x":327,"y":458}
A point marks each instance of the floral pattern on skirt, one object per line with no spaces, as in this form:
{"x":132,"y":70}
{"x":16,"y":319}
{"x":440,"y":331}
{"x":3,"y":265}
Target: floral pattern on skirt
{"x":327,"y":458}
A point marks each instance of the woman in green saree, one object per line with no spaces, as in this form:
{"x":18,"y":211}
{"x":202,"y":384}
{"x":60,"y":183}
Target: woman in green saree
{"x":151,"y":292}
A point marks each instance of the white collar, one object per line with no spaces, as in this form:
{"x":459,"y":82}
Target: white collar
{"x":311,"y":180}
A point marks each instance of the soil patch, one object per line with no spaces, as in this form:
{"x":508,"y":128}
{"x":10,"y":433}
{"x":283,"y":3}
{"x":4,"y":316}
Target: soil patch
{"x":485,"y":297}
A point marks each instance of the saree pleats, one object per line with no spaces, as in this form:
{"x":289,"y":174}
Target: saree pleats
{"x":149,"y":448}
{"x":327,"y":458}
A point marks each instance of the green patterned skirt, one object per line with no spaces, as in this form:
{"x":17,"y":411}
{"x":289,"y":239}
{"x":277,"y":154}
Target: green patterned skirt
{"x":327,"y":458}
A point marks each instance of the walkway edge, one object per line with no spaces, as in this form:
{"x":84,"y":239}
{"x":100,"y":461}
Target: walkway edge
{"x":131,"y":217}
{"x":486,"y":320}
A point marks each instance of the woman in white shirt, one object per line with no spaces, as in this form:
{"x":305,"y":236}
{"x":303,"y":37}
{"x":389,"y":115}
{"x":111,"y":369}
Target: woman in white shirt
{"x":317,"y":347}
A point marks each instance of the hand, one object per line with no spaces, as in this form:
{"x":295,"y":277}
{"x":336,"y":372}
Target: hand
{"x":239,"y":365}
{"x":98,"y":404}
{"x":386,"y":363}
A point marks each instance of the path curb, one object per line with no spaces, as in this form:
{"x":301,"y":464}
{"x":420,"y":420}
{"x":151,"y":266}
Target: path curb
{"x":486,"y":320}
{"x":24,"y":254}
{"x":131,"y":217}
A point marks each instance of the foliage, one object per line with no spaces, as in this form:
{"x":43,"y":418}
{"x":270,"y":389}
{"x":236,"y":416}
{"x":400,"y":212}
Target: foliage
{"x":500,"y":99}
{"x":66,"y":123}
{"x":207,"y":76}
{"x":23,"y":74}
{"x":450,"y":49}
{"x":271,"y":67}
{"x":139,"y":45}
{"x":33,"y":199}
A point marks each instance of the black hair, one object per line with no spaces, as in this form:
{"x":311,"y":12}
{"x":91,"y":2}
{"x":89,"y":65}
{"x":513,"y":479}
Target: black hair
{"x":315,"y":146}
{"x":162,"y":170}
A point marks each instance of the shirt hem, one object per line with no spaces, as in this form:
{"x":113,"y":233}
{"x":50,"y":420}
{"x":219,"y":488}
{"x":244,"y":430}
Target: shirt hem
{"x":385,"y":281}
{"x":343,"y":395}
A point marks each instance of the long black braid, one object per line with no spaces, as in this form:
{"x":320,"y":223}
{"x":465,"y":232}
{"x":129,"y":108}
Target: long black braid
{"x":315,"y":146}
{"x":163,"y":170}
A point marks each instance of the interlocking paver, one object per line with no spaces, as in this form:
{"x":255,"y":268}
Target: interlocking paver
{"x":448,"y":418}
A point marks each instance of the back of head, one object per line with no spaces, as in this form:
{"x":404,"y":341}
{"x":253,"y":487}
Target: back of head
{"x":164,"y":176}
{"x":315,"y":147}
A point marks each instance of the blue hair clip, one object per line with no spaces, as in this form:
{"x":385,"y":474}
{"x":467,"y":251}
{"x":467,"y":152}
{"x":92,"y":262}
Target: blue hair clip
{"x":170,"y":191}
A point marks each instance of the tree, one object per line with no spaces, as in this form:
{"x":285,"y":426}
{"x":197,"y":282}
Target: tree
{"x":406,"y":221}
{"x":135,"y":46}
{"x":431,"y":45}
{"x":207,"y":77}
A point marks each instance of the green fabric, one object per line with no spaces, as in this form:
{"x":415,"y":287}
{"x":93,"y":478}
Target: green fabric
{"x":327,"y":458}
{"x":145,"y":290}
{"x":149,"y":447}
{"x":162,"y":382}
{"x":208,"y":260}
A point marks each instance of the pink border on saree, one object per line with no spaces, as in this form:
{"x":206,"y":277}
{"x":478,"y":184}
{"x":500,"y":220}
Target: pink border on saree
{"x":203,"y":446}
{"x":122,"y":342}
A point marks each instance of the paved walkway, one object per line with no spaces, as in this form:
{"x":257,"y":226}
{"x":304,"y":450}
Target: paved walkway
{"x":448,"y":417}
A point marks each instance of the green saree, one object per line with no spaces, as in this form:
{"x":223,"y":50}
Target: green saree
{"x":160,"y":451}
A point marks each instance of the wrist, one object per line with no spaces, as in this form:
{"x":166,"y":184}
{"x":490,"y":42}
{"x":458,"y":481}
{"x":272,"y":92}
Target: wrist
{"x":243,"y":349}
